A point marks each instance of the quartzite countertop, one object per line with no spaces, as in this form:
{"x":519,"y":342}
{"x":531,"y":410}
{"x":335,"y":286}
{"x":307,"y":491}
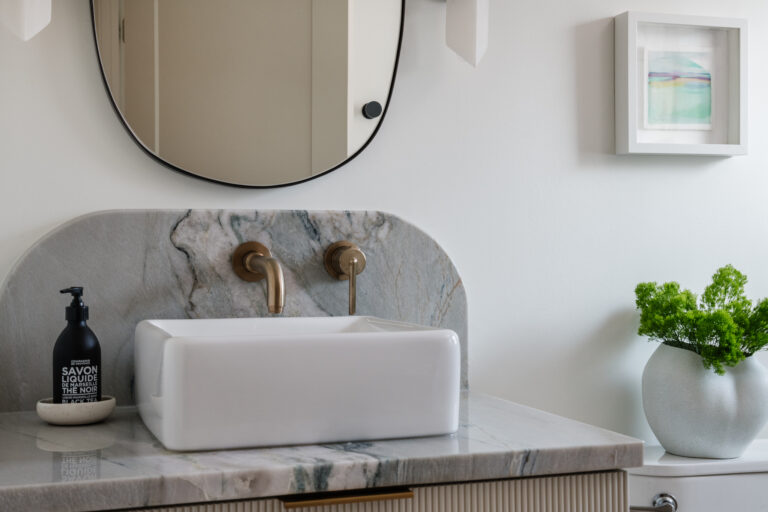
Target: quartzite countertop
{"x":119,"y":464}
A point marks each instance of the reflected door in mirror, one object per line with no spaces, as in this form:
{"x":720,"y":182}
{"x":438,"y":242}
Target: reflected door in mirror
{"x":249,"y":92}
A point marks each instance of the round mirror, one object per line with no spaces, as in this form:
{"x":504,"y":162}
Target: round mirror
{"x":255,"y":93}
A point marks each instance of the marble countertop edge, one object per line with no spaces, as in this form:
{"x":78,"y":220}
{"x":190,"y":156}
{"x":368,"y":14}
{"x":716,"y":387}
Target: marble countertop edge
{"x":119,"y":464}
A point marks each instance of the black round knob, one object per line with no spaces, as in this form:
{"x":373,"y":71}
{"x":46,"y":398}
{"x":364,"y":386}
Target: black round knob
{"x":372,"y":110}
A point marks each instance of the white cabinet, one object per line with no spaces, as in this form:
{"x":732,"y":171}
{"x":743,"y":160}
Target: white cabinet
{"x":582,"y":492}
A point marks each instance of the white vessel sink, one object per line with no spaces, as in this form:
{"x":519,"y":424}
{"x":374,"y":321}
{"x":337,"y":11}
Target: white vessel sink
{"x":246,"y":382}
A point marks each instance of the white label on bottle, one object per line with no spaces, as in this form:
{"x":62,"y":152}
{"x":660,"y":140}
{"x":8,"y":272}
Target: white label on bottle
{"x":79,"y":382}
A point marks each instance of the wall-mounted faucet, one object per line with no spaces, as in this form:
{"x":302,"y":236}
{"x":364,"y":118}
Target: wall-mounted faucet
{"x":343,"y":261}
{"x":253,"y":262}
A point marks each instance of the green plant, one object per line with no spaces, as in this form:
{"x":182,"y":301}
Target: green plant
{"x":721,"y":326}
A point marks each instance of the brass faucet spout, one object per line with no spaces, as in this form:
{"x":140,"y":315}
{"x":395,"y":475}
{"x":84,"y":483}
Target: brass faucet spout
{"x":271,"y":269}
{"x":253,"y":262}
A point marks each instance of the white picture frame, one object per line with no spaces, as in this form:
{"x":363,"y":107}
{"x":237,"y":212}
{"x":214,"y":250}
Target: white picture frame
{"x":692,"y":99}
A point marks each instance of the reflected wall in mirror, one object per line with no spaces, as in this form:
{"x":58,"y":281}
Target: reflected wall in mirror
{"x":254,"y":93}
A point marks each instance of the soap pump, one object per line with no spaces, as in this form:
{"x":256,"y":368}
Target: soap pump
{"x":76,"y":356}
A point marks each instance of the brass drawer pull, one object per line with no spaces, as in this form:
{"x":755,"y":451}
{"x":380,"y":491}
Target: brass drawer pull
{"x":343,"y":499}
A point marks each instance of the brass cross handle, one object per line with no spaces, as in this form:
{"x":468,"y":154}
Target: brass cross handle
{"x":343,"y":261}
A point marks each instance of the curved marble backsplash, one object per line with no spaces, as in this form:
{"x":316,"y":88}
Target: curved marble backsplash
{"x":140,"y":264}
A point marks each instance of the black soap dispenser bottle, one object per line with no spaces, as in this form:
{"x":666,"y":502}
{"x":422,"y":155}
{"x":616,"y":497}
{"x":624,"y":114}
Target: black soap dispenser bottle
{"x":76,"y":357}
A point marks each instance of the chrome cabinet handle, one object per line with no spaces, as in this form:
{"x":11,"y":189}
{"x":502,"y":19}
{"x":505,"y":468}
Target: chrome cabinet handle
{"x":662,"y":502}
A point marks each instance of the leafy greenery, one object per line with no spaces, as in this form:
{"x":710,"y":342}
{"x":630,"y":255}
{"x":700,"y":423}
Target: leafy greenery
{"x":722,"y":326}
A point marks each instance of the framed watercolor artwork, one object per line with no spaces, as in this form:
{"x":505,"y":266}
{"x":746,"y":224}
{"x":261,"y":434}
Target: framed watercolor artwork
{"x":680,"y":85}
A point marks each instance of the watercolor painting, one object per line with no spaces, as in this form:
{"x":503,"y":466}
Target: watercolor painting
{"x":679,"y":94}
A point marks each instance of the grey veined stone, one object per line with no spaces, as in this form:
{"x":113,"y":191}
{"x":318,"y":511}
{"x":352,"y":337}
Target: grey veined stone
{"x":142,"y":264}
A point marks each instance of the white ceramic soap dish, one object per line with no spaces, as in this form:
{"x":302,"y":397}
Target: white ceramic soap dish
{"x":75,"y":414}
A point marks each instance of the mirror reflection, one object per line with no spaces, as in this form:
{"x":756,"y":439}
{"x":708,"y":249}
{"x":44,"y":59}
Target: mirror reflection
{"x":250,"y":92}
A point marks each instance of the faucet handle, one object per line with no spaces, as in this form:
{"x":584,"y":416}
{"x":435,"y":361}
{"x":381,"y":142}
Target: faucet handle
{"x":344,"y":261}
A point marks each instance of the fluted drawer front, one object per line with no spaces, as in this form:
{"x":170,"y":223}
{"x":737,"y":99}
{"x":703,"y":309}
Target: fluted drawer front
{"x":589,"y":492}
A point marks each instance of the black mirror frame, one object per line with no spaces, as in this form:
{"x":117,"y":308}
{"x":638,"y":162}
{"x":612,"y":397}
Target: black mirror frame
{"x":237,"y":185}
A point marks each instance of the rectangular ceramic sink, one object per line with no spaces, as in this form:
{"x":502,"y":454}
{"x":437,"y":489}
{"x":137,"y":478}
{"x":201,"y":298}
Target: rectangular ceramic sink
{"x":247,"y":382}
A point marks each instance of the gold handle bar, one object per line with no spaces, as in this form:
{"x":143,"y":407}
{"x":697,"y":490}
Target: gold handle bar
{"x":346,"y":498}
{"x":344,"y":260}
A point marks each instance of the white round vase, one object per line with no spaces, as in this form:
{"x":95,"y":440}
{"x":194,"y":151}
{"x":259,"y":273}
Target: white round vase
{"x":696,"y":413}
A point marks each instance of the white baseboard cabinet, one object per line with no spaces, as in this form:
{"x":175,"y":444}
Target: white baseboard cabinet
{"x":583,"y":492}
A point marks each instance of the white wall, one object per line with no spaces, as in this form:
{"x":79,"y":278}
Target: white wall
{"x":509,"y":167}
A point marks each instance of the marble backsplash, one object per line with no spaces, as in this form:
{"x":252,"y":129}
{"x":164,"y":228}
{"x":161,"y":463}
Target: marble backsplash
{"x":140,"y":264}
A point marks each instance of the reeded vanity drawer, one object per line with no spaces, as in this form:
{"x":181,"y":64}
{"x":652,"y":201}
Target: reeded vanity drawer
{"x":584,"y":492}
